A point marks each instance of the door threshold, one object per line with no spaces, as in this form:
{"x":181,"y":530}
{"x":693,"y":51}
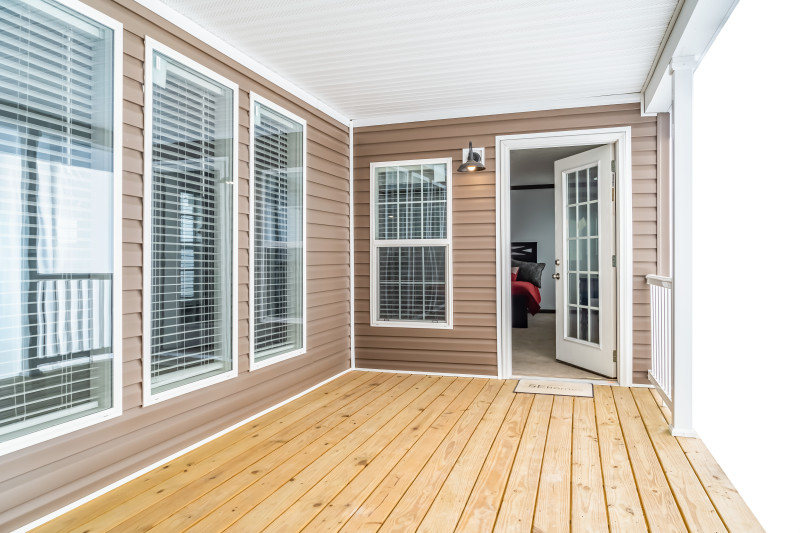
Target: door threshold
{"x":593,"y":381}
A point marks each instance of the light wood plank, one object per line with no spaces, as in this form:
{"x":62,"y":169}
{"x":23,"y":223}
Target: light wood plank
{"x":296,"y":515}
{"x":327,"y":506}
{"x":484,"y":502}
{"x":553,"y":505}
{"x":516,"y":511}
{"x":428,"y":453}
{"x":210,"y":492}
{"x":230,"y":442}
{"x":622,"y":499}
{"x":733,"y":510}
{"x":268,"y":506}
{"x":588,"y":501}
{"x":698,"y":511}
{"x":375,"y":509}
{"x":411,"y":508}
{"x":659,"y":505}
{"x":661,"y":405}
{"x":444,"y":513}
{"x":383,"y":479}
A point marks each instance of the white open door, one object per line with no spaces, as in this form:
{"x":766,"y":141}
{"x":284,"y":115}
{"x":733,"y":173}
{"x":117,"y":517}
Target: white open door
{"x":586,"y":308}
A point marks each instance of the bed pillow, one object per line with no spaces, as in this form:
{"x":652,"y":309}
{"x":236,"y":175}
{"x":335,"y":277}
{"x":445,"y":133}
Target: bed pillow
{"x":530,"y":272}
{"x":514,"y":273}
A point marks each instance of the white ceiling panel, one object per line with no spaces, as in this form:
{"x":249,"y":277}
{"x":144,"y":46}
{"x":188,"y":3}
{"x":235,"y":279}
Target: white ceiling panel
{"x":383,"y":60}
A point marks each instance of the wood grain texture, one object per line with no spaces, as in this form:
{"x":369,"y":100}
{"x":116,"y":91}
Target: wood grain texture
{"x":403,"y":452}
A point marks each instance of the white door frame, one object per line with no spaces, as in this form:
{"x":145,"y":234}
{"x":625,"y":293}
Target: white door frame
{"x":624,"y":197}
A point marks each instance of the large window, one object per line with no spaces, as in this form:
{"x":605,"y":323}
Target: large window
{"x":190,"y":217}
{"x":277,"y":255}
{"x":59,"y":288}
{"x":411,"y":252}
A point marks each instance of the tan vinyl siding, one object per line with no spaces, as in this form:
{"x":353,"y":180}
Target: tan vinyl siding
{"x":45,"y":477}
{"x":471,"y":346}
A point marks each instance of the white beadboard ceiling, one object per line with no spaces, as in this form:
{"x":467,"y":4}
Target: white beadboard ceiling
{"x":378,"y":61}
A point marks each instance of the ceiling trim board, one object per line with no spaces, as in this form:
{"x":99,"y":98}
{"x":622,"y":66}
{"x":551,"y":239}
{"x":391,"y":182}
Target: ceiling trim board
{"x":540,"y":105}
{"x":181,"y":21}
{"x":694,"y":32}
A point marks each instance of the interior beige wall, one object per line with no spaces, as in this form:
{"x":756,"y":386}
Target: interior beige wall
{"x":471,"y":346}
{"x":42,"y":478}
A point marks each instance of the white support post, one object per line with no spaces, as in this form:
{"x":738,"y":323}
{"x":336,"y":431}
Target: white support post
{"x":682,"y":75}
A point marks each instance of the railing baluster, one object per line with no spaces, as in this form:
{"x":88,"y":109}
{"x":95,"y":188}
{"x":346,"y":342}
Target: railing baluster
{"x":660,"y":373}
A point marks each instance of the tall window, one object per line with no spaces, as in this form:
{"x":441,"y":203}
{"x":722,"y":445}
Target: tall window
{"x":277,"y":260}
{"x":411,"y":244}
{"x":191,"y":190}
{"x":58,"y":288}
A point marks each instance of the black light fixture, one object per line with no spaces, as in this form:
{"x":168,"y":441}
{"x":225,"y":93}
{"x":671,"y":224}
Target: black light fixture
{"x":473,"y":162}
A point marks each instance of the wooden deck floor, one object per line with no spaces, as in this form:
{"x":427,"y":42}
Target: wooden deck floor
{"x":395,"y":452}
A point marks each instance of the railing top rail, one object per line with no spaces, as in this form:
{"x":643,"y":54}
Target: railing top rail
{"x":659,"y":281}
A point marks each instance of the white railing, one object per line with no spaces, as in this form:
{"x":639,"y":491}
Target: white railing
{"x":661,"y":373}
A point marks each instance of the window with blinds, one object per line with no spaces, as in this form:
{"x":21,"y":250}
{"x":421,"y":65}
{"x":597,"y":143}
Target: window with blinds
{"x":277,"y":231}
{"x":56,"y":218}
{"x":411,"y":250}
{"x":191,"y":190}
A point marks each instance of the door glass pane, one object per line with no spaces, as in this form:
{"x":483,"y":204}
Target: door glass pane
{"x":583,"y":324}
{"x":582,"y":212}
{"x":572,"y":322}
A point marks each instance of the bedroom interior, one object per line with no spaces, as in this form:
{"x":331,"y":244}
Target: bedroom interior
{"x":533,"y":243}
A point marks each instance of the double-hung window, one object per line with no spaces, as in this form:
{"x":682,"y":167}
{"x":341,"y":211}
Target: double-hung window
{"x":277,"y":233}
{"x":60,"y":341}
{"x":190,"y":225}
{"x":411,"y":244}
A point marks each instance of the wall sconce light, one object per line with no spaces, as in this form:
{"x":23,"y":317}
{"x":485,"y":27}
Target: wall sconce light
{"x":473,"y":162}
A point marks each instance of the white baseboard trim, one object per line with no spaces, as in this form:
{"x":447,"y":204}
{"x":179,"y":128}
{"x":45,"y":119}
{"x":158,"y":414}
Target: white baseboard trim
{"x":443,"y":374}
{"x":109,"y":488}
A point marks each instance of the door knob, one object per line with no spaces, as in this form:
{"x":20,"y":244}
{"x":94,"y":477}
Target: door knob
{"x":556,"y":276}
{"x":558,"y":262}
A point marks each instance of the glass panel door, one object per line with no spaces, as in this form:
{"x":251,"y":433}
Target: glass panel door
{"x":583,"y":287}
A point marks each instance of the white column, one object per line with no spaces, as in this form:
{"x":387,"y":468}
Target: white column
{"x":682,"y":74}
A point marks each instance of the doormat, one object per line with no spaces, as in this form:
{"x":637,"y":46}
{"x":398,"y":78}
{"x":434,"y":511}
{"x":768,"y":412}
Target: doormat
{"x":556,"y":388}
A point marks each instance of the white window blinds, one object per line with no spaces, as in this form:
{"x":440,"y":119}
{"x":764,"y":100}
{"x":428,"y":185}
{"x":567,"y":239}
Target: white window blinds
{"x":191,"y":291}
{"x":277,"y":262}
{"x":411,"y":243}
{"x":56,"y":217}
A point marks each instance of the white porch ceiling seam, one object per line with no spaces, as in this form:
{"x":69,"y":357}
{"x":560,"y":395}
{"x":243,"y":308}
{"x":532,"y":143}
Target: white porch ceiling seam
{"x":386,"y":61}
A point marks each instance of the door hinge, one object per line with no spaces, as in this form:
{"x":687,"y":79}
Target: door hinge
{"x":613,"y":165}
{"x":614,"y":260}
{"x":614,"y":355}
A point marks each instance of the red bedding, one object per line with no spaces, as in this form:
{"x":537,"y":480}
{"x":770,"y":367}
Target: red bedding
{"x":531,"y":291}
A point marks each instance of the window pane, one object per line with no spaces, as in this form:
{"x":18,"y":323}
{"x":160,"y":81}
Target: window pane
{"x":56,"y":216}
{"x":413,"y":283}
{"x":192,"y":210}
{"x":278,"y":234}
{"x":411,"y":202}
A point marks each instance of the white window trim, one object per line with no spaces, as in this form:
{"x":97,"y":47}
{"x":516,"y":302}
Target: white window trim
{"x":115,"y":410}
{"x":148,"y":398}
{"x":255,"y":365}
{"x":374,"y":244}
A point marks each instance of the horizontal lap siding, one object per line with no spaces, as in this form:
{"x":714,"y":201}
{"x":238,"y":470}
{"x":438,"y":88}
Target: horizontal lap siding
{"x":43,"y":478}
{"x":471,"y":346}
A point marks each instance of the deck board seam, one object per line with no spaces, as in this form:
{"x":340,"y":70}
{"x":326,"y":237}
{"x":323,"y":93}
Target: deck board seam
{"x":647,"y":518}
{"x":511,"y":462}
{"x":541,"y":468}
{"x":433,"y":453}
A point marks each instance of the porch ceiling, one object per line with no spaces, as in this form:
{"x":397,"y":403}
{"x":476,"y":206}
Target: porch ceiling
{"x":387,"y":61}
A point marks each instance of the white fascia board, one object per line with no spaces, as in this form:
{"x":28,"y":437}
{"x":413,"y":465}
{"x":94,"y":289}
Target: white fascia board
{"x":692,"y":35}
{"x":537,"y":105}
{"x":180,"y":20}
